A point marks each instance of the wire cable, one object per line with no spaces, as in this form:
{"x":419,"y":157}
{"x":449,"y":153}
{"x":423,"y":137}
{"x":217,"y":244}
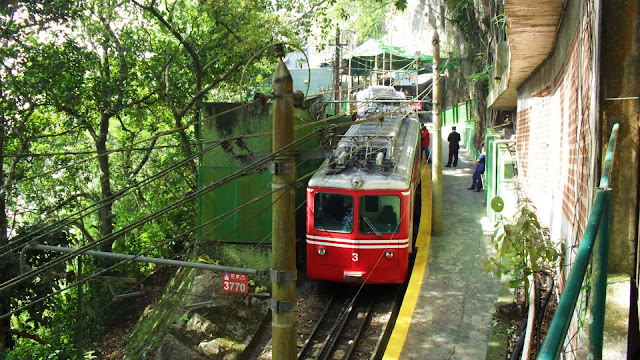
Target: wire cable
{"x":79,"y":251}
{"x":189,"y":197}
{"x":60,"y":224}
{"x":80,"y":162}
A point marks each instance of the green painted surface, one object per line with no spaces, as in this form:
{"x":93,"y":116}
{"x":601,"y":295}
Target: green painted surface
{"x":249,"y":223}
{"x":253,"y":223}
{"x":489,"y":174}
{"x":448,"y":116}
{"x":463,"y":114}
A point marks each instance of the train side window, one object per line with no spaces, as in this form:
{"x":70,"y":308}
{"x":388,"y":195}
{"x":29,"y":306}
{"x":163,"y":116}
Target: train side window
{"x":333,"y":212}
{"x":382,"y":218}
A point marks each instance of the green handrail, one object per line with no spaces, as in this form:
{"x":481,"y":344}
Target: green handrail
{"x":597,"y":226}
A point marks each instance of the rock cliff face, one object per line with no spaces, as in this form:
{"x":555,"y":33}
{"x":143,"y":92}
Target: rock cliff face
{"x":464,"y":40}
{"x":195,"y":319}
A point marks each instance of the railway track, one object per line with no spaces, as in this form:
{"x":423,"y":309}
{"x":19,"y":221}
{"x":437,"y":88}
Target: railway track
{"x":352,"y":325}
{"x":340,"y":322}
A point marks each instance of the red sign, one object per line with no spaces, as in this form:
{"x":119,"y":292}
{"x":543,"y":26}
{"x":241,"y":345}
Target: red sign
{"x":233,"y":282}
{"x":416,"y":106}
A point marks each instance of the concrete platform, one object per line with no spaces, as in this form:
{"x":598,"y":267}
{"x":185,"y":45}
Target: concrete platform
{"x":448,"y":306}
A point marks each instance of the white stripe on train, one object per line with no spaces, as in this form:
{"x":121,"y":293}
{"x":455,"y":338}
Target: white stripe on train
{"x":360,"y":241}
{"x":355,"y":246}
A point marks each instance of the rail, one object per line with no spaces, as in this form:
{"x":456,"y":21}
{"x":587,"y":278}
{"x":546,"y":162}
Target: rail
{"x":596,"y":237}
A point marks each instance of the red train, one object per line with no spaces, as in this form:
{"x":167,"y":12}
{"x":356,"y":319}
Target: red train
{"x":360,"y":209}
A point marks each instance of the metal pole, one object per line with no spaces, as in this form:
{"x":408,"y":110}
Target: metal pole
{"x":195,"y":265}
{"x":557,"y":332}
{"x":600,"y":264}
{"x":283,"y":303}
{"x":436,"y":173}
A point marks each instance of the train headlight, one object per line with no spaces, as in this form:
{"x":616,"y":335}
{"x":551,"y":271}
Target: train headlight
{"x":321,"y":251}
{"x":389,"y":254}
{"x":356,"y":182}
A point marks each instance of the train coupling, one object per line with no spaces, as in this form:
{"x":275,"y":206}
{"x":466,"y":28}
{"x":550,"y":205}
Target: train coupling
{"x":353,"y":276}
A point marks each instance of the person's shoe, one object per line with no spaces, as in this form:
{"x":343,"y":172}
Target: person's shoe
{"x":471,"y":188}
{"x":447,"y":166}
{"x":477,"y":190}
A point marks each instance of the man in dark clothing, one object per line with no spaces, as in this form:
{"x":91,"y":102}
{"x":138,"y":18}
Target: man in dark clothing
{"x":476,"y":179}
{"x":454,"y":146}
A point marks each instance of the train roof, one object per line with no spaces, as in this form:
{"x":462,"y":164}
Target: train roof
{"x":373,"y":155}
{"x":379,"y":93}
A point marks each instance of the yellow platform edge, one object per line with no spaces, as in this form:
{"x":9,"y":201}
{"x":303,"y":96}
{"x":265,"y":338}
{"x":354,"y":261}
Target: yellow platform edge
{"x":401,"y":328}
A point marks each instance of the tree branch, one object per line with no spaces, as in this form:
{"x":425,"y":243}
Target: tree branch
{"x":238,"y":38}
{"x":205,"y":89}
{"x":27,"y":335}
{"x":80,"y":225}
{"x":176,"y":34}
{"x":144,"y":160}
{"x":122,"y":69}
{"x":73,"y":197}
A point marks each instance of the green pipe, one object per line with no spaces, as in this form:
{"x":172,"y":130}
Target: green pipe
{"x":598,"y":225}
{"x":601,"y":257}
{"x":599,"y":277}
{"x":608,"y":159}
{"x":562,"y":318}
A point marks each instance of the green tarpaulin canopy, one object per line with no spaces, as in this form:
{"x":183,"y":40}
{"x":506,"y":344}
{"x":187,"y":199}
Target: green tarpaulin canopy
{"x":375,"y":47}
{"x":363,"y":58}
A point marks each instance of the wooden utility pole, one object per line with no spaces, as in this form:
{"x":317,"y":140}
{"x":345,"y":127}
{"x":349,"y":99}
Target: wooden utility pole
{"x":336,"y":73}
{"x":436,"y":172}
{"x":283,"y":274}
{"x":417,"y":82}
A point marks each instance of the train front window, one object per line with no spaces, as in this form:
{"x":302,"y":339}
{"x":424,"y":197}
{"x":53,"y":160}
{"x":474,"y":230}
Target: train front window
{"x":333,"y":212}
{"x":379,"y":214}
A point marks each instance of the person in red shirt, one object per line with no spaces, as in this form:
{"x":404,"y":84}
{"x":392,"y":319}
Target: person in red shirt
{"x":425,"y":140}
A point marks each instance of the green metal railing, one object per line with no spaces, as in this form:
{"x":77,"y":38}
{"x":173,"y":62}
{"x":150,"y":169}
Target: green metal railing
{"x":596,"y":237}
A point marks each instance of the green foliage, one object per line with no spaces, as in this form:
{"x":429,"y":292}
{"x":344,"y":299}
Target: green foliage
{"x":521,"y":248}
{"x":80,"y":78}
{"x":458,"y":10}
{"x":35,"y":287}
{"x":481,"y":77}
{"x":500,"y":20}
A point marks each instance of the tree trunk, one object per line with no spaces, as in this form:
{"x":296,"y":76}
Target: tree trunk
{"x":6,"y":340}
{"x":105,"y":212}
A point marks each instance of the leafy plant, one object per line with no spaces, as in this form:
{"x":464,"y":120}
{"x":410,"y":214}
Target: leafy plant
{"x":522,"y":249}
{"x":500,"y":20}
{"x":480,"y":76}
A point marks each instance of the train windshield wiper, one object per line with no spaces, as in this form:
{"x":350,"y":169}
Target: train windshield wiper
{"x":372,"y":227}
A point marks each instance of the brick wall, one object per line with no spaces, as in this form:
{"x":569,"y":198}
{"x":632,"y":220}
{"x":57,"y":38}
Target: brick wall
{"x":555,"y":140}
{"x":555,"y":149}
